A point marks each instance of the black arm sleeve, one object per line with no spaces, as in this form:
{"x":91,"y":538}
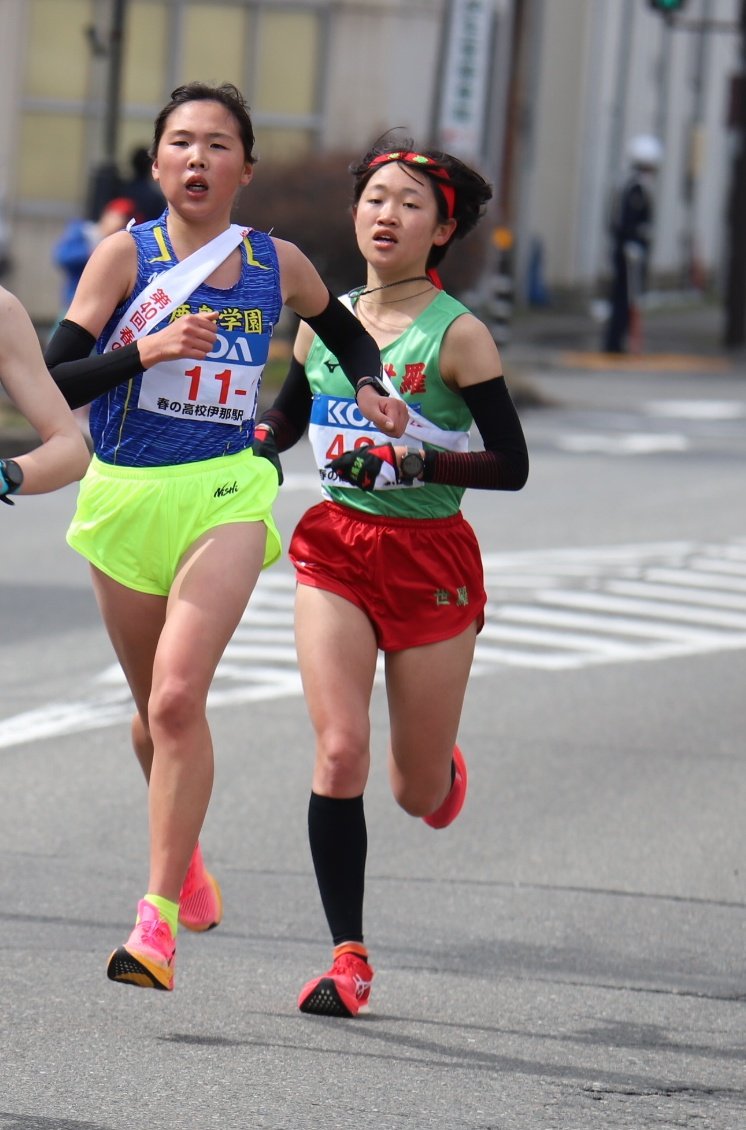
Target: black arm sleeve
{"x":82,"y":375}
{"x":352,"y":345}
{"x":503,"y":465}
{"x":288,"y":417}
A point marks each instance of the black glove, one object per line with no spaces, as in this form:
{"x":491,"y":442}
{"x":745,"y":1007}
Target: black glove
{"x":264,"y":444}
{"x":369,"y":467}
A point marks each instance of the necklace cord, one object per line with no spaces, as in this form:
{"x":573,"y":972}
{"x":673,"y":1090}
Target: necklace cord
{"x":360,"y":293}
{"x":388,"y":301}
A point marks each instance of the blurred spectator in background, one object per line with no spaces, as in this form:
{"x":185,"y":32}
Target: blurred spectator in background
{"x":73,"y":249}
{"x":631,"y":231}
{"x":141,"y":187}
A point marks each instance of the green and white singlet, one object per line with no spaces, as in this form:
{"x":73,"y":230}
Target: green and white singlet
{"x":412,"y":362}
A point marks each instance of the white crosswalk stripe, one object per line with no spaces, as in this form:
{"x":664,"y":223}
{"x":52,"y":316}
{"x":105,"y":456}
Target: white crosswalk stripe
{"x":656,"y":427}
{"x":623,"y":603}
{"x":554,"y":609}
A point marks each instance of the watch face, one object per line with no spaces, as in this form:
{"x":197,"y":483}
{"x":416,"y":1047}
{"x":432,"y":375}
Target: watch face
{"x":412,"y":464}
{"x":12,"y":473}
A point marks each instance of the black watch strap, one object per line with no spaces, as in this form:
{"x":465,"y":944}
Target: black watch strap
{"x":374,"y":383}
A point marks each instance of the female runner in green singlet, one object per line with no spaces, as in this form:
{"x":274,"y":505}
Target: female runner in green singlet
{"x":387,"y":561}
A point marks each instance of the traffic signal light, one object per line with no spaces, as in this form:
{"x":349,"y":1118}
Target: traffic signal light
{"x":667,"y":7}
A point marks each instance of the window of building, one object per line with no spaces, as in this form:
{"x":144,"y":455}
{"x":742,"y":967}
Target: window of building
{"x":287,"y":63}
{"x":215,"y":44}
{"x":271,"y":51}
{"x":145,"y":59}
{"x":52,"y":133}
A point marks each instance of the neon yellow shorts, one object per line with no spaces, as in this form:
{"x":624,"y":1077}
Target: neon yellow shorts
{"x":136,"y":523}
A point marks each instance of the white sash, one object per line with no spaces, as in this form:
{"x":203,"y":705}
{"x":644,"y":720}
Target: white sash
{"x":171,"y":287}
{"x":419,"y":428}
{"x":422,"y":430}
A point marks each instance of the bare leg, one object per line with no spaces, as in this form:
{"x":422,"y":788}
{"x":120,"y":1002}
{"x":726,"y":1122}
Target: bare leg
{"x":207,"y":600}
{"x":337,"y":655}
{"x":134,"y":621}
{"x":426,"y":688}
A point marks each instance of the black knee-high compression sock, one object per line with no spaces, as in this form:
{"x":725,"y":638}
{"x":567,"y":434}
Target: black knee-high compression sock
{"x":339,"y":845}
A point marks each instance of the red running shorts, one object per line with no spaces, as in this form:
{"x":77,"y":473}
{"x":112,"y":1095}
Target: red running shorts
{"x":418,"y":580}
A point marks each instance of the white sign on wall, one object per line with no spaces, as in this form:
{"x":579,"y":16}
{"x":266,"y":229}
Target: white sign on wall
{"x":466,"y":76}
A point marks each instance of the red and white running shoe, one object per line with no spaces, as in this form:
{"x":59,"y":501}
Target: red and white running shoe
{"x":454,"y":802}
{"x":342,"y":991}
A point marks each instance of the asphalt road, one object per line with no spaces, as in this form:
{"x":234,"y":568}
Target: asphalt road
{"x":570,"y":954}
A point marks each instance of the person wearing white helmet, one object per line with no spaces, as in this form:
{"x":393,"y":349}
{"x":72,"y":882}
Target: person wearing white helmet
{"x":645,"y":152}
{"x":631,"y":230}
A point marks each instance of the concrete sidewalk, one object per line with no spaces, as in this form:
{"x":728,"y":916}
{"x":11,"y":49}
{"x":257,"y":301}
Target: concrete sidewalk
{"x":676,"y":329}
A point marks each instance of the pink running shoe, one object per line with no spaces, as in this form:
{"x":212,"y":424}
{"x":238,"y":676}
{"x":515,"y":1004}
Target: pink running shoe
{"x":454,"y":802}
{"x":148,"y":957}
{"x":200,"y":901}
{"x":343,"y":991}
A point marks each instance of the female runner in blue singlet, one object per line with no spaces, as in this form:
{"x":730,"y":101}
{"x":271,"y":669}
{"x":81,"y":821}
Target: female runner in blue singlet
{"x":174,"y":514}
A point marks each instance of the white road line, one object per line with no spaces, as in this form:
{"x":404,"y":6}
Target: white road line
{"x":551,"y":609}
{"x":696,"y":409}
{"x":627,"y":443}
{"x":626,"y":626}
{"x":736,"y":551}
{"x":682,"y":593}
{"x":715,"y":569}
{"x":629,"y":552}
{"x":653,"y":608}
{"x":557,"y":661}
{"x":712,"y":579}
{"x":546,"y":637}
{"x":260,"y":652}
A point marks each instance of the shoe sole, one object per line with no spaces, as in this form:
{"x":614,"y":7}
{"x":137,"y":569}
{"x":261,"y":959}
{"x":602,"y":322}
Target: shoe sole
{"x":127,"y":969}
{"x":200,"y":927}
{"x":325,"y":1000}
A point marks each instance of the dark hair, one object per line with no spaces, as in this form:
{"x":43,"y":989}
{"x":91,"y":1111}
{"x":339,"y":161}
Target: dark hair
{"x":226,"y":94}
{"x":471,"y":190}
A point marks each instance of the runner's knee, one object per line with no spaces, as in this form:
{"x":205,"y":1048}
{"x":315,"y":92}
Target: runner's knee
{"x":175,"y":708}
{"x":342,"y":765}
{"x":420,"y":793}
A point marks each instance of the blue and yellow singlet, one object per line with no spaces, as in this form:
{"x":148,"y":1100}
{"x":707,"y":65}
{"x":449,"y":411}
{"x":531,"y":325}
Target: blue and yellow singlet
{"x":183,"y":411}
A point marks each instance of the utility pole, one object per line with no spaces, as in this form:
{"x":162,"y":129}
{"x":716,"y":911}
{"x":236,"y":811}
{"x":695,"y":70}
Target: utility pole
{"x":105,"y":179}
{"x":735,"y":307}
{"x":692,"y":273}
{"x":618,"y":123}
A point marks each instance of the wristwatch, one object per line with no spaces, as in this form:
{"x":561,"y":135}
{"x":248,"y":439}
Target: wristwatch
{"x":11,"y":478}
{"x":412,"y":465}
{"x":374,"y":383}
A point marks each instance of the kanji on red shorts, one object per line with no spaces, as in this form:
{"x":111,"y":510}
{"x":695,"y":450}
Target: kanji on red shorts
{"x":418,"y":580}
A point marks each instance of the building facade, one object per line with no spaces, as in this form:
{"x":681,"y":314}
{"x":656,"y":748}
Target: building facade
{"x":554,"y":97}
{"x":604,"y":71}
